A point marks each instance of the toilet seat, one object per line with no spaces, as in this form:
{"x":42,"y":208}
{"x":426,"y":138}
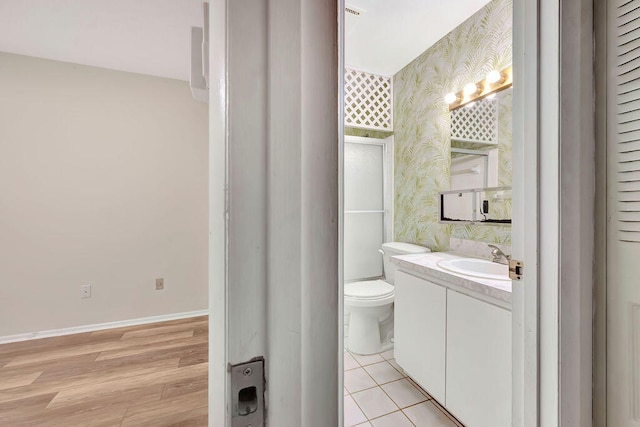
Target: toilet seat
{"x":369,"y":293}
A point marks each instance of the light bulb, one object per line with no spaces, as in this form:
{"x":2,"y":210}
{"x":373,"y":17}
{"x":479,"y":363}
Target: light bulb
{"x":493,"y":95}
{"x":494,"y":76}
{"x":471,"y":89}
{"x":470,"y":105}
{"x":450,"y":98}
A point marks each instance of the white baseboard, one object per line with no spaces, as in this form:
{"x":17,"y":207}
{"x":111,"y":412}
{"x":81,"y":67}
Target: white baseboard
{"x":100,"y":326}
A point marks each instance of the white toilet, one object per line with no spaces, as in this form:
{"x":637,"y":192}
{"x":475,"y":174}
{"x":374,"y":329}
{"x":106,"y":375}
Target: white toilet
{"x":369,"y":304}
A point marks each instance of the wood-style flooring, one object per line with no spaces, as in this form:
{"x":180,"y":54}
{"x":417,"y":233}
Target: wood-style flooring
{"x":147,"y":375}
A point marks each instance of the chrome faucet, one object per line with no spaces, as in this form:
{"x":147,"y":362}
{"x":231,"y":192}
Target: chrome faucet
{"x":498,"y":255}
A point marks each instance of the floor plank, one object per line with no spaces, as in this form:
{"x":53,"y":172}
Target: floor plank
{"x":157,"y":344}
{"x":179,"y":387}
{"x":17,"y":379}
{"x":92,"y":385}
{"x":79,"y":383}
{"x":198,"y":354}
{"x":103,"y":347}
{"x":17,"y":409}
{"x":155,"y":412}
{"x":153,"y":374}
{"x":194,"y":418}
{"x":164,"y":330}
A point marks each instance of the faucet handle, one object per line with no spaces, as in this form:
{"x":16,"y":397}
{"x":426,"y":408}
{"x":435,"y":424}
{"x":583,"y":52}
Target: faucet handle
{"x":497,"y":253}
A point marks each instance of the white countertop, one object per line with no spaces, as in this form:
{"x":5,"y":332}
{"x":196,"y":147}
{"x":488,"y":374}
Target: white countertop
{"x":426,"y":265}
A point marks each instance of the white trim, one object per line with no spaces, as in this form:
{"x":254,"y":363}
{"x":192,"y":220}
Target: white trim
{"x":341,"y":142}
{"x":364,"y":71}
{"x":390,"y":187}
{"x":100,"y":326}
{"x":364,"y":140}
{"x":577,"y":206}
{"x":599,"y":397}
{"x":548,"y":249}
{"x":320,"y":153}
{"x":218,"y":152}
{"x":527,"y":54}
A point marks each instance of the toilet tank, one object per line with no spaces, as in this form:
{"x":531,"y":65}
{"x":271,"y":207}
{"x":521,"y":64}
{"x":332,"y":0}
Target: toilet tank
{"x":390,"y":249}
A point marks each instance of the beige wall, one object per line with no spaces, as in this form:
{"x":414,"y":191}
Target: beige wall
{"x":103,"y":181}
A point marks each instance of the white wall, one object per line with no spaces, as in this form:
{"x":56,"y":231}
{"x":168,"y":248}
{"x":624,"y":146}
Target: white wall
{"x":103,"y":181}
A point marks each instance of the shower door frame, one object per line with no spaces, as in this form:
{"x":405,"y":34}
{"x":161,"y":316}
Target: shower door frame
{"x":387,"y":145}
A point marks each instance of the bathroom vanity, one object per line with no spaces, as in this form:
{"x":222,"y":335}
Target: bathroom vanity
{"x":453,"y":337}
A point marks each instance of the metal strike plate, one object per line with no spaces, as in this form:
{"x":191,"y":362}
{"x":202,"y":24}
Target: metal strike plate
{"x":247,"y":394}
{"x":516,"y":269}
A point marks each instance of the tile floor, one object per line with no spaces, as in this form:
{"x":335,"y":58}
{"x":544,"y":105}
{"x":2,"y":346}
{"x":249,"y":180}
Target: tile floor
{"x":377,"y":393}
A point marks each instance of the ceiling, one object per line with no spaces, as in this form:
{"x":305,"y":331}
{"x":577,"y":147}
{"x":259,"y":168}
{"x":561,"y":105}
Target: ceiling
{"x":141,"y":36}
{"x":388,"y":35}
{"x":153,"y":36}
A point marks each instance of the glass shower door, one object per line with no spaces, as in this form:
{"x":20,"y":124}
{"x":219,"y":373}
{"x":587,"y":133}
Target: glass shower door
{"x":365,"y":214}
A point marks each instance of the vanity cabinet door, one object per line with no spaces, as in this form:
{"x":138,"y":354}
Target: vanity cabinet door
{"x":478,"y":361}
{"x":420,"y":331}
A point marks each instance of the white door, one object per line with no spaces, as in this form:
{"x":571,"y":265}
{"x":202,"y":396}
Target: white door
{"x":623,"y":234}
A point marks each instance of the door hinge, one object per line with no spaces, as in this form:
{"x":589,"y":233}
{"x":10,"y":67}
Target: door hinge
{"x":516,"y":269}
{"x":247,"y":394}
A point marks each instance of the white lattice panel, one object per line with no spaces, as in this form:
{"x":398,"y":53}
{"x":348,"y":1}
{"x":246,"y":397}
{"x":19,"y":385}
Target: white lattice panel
{"x":368,"y":100}
{"x":477,"y":123}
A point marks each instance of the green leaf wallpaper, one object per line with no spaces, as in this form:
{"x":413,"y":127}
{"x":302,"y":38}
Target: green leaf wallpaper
{"x":422,"y":132}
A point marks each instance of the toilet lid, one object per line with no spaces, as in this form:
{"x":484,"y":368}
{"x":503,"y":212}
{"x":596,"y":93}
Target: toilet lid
{"x":368,"y":289}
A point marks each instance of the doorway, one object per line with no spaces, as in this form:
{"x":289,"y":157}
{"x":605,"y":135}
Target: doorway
{"x":425,"y":159}
{"x":302,"y":326}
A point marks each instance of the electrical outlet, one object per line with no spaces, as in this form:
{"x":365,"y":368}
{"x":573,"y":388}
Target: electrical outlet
{"x":159,"y":284}
{"x":85,"y":291}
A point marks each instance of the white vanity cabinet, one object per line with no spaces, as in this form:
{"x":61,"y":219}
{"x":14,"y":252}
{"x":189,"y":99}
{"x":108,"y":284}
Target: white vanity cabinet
{"x":478,"y":361}
{"x":420,"y":331}
{"x":457,"y":347}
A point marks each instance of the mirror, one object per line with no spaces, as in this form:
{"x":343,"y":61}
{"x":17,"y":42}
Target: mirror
{"x":480,"y":158}
{"x":472,"y":168}
{"x":481,"y":143}
{"x":487,"y":206}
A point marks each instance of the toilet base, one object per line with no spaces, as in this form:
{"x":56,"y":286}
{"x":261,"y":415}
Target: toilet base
{"x":367,"y":334}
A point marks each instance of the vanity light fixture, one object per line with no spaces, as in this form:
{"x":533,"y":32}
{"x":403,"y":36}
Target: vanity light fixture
{"x":450,"y":98}
{"x":493,"y":83}
{"x":494,"y":77}
{"x":471,"y":89}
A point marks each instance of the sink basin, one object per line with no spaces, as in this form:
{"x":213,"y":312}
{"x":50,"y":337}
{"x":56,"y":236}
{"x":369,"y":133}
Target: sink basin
{"x":476,"y":268}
